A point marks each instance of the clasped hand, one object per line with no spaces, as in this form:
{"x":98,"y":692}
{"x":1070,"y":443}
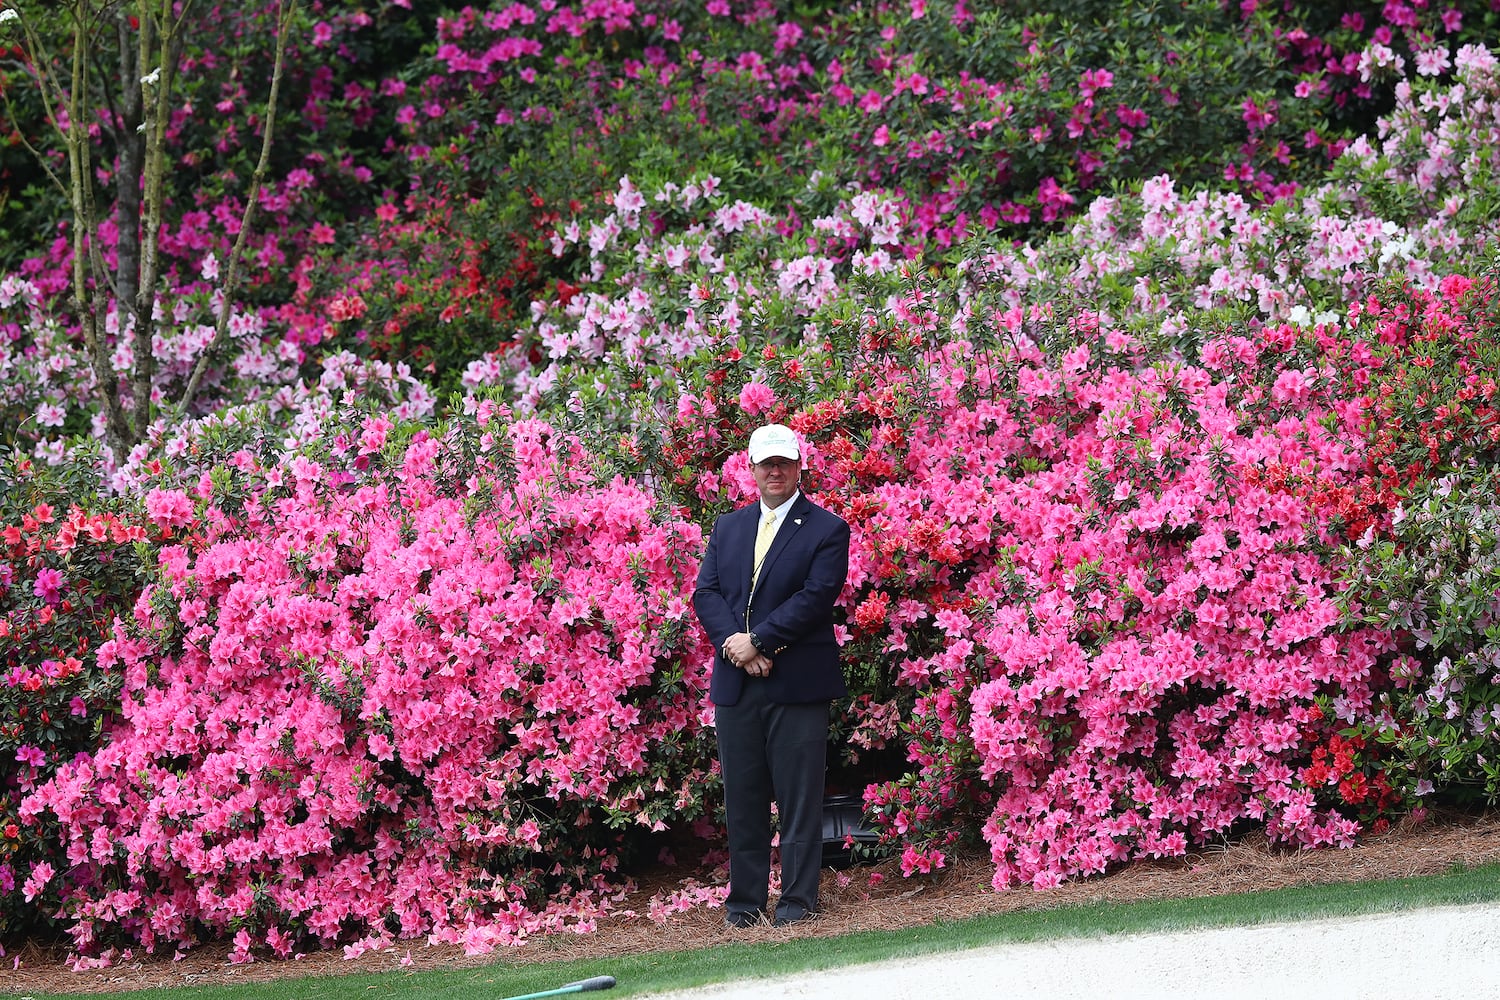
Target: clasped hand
{"x":743,"y":654}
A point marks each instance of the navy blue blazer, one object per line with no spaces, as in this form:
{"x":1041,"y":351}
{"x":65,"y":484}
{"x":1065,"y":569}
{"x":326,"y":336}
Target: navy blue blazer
{"x":791,"y":611}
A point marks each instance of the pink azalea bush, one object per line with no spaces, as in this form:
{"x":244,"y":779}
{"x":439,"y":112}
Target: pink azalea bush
{"x":433,"y":700}
{"x":1116,"y":638}
{"x":1242,"y":453}
{"x":64,"y":575}
{"x":1163,"y":625}
{"x":1110,"y":488}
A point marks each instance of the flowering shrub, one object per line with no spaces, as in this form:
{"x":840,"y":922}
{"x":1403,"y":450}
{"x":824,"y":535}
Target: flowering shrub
{"x":1139,"y":283}
{"x":436,"y":700}
{"x":1027,"y":580}
{"x":324,"y":417}
{"x":1146,"y":629}
{"x":1432,"y":570}
{"x":972,"y":120}
{"x":1117,"y":493}
{"x":1353,"y":773}
{"x":1435,"y":576}
{"x":1435,"y":410}
{"x":410,"y":273}
{"x":671,"y":270}
{"x":64,"y":575}
{"x":1167,"y":265}
{"x":1349,"y":54}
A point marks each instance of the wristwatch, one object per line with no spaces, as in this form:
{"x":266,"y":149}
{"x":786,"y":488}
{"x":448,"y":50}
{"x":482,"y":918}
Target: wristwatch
{"x":755,"y":641}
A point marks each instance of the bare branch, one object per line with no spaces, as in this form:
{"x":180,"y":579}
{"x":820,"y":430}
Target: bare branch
{"x":130,"y":156}
{"x":155,"y":108}
{"x":87,"y":263}
{"x":41,"y":159}
{"x":287,"y":12}
{"x":41,"y":60}
{"x":160,"y":46}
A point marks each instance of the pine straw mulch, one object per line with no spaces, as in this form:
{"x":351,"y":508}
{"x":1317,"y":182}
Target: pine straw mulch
{"x":850,"y":903}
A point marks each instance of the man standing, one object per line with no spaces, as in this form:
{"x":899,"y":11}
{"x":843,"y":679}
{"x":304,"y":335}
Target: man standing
{"x":765,"y":596}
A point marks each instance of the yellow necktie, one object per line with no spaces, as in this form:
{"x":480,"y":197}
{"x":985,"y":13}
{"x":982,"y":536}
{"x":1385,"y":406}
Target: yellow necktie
{"x":762,"y":543}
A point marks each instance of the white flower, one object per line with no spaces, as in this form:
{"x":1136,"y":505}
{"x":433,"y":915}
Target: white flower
{"x":8,"y":15}
{"x":151,"y":79}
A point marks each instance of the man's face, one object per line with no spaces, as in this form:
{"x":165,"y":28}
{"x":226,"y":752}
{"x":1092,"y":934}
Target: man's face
{"x":777,"y":479}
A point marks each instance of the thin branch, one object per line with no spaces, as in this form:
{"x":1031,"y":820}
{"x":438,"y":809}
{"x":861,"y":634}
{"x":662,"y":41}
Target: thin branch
{"x":231,"y":274}
{"x":130,"y":157}
{"x":10,"y":112}
{"x":85,"y":250}
{"x":52,"y":91}
{"x":51,"y":94}
{"x":160,"y":46}
{"x":184,"y":8}
{"x":155,"y":108}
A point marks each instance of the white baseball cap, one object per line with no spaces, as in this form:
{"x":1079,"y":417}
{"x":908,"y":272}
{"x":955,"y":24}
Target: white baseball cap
{"x":773,"y":440}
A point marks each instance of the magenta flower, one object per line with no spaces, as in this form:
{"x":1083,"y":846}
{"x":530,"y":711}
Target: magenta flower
{"x":48,"y":585}
{"x":756,"y":398}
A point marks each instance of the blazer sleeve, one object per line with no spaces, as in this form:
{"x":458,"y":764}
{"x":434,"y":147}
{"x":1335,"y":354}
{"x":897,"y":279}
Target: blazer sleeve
{"x":709,"y":602}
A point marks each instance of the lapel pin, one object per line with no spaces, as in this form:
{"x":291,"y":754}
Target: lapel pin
{"x":796,"y":520}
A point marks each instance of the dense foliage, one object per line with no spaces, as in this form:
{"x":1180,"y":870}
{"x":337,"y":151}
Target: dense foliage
{"x":1434,"y":575}
{"x":417,"y":710}
{"x":1147,"y":348}
{"x":64,"y":576}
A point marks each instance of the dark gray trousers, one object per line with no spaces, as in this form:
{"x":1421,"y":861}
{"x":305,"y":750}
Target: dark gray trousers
{"x":769,"y":751}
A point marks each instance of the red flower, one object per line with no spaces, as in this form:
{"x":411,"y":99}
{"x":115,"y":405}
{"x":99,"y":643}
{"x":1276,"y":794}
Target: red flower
{"x":1354,"y":789}
{"x":871,"y":613}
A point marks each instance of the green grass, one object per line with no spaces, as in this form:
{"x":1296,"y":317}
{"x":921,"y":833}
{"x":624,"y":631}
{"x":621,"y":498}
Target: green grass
{"x":638,"y":974}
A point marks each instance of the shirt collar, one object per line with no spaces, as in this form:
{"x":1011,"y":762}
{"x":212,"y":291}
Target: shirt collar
{"x":780,"y":512}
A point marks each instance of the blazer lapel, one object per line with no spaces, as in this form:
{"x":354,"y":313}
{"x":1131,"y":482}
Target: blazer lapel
{"x":789,"y":526}
{"x":744,"y":543}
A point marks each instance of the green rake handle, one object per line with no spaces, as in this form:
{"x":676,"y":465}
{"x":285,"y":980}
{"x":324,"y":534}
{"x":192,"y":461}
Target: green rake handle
{"x":583,"y":985}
